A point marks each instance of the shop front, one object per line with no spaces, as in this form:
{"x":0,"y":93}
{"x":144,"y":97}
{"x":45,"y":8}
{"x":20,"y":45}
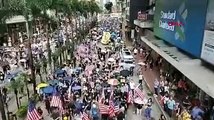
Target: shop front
{"x":181,"y":69}
{"x":179,"y":84}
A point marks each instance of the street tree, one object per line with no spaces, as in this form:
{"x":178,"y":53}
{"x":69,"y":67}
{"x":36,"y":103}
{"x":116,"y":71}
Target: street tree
{"x":16,"y":85}
{"x":108,"y":6}
{"x":24,"y":8}
{"x":23,"y":78}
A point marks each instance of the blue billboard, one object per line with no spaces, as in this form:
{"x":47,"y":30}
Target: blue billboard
{"x":181,"y":23}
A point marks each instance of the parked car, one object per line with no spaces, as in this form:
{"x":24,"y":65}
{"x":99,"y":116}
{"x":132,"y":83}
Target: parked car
{"x":127,"y":64}
{"x":126,"y":55}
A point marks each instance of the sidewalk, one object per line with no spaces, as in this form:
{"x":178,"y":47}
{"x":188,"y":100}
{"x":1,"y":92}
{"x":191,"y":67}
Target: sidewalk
{"x":156,"y":111}
{"x":149,"y":76}
{"x":12,"y":106}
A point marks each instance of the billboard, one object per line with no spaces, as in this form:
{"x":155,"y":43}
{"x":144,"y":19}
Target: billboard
{"x":190,"y":16}
{"x":207,"y":52}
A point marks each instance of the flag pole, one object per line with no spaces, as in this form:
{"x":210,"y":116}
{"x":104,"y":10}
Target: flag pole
{"x":85,"y":108}
{"x":137,"y":86}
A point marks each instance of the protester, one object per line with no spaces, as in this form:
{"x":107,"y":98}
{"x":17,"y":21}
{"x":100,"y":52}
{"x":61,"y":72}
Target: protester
{"x":147,"y":112}
{"x":170,"y":106}
{"x":156,"y":86}
{"x":162,"y":117}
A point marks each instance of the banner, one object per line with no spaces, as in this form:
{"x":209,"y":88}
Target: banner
{"x":187,"y":36}
{"x":207,"y":52}
{"x":106,"y":38}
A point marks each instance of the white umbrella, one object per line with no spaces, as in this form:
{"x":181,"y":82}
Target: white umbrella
{"x":113,"y":82}
{"x":138,"y":101}
{"x":22,"y":60}
{"x":111,"y":59}
{"x":21,"y":45}
{"x":142,"y":63}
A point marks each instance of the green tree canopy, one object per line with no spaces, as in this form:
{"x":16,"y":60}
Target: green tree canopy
{"x":108,"y":6}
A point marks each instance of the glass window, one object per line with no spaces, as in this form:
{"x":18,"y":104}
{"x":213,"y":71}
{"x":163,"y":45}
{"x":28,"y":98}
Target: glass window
{"x":127,"y":53}
{"x":129,"y":62}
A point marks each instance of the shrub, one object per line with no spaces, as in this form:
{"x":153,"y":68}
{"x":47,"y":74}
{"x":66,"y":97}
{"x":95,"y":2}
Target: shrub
{"x":35,"y":97}
{"x":22,"y":111}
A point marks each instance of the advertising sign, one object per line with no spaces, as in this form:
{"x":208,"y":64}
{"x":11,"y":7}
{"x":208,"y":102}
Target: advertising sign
{"x":181,"y":23}
{"x":207,"y":52}
{"x":141,"y":16}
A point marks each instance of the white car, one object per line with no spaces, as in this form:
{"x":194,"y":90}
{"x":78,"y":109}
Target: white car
{"x":126,"y":55}
{"x":127,"y":64}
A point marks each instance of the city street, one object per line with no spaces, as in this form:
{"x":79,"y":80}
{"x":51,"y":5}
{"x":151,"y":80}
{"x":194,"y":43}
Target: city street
{"x":155,"y":114}
{"x":106,"y":60}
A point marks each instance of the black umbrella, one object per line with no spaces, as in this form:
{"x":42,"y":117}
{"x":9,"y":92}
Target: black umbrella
{"x":125,"y":73}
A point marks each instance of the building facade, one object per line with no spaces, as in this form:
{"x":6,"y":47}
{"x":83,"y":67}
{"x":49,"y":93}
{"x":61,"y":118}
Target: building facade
{"x":186,"y":49}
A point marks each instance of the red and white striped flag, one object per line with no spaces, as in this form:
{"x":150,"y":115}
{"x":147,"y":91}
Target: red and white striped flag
{"x":104,"y":109}
{"x":85,"y":116}
{"x":56,"y":102}
{"x":32,"y":113}
{"x":139,"y":93}
{"x":117,"y":109}
{"x":111,"y":105}
{"x":111,"y":109}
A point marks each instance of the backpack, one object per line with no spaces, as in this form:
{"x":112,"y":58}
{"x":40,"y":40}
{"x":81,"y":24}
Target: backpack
{"x":94,"y":113}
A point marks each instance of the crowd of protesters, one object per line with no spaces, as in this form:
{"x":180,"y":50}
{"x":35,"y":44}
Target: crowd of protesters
{"x":94,"y":88}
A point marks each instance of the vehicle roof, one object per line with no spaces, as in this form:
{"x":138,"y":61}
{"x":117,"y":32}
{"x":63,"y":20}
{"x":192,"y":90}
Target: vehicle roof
{"x":127,"y":56}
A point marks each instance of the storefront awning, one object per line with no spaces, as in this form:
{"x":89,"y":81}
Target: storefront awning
{"x":16,"y":19}
{"x":191,"y":68}
{"x":143,"y":24}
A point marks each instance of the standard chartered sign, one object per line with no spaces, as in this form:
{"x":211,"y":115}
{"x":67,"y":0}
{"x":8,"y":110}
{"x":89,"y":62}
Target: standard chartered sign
{"x":167,"y":17}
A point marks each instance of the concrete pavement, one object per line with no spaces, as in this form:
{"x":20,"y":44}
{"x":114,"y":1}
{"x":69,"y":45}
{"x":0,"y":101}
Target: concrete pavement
{"x":156,"y":112}
{"x":12,"y":106}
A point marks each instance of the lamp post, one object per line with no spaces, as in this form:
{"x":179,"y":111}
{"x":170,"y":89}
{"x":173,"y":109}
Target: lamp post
{"x":3,"y":116}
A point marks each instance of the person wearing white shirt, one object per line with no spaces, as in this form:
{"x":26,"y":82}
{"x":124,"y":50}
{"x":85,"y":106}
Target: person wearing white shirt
{"x":156,"y":86}
{"x":140,"y":78}
{"x":166,"y":89}
{"x":132,"y":85}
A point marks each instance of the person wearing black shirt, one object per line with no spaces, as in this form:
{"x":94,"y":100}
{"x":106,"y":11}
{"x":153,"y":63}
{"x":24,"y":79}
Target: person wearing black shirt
{"x":178,"y":110}
{"x":162,"y":117}
{"x":186,"y":102}
{"x":121,"y":115}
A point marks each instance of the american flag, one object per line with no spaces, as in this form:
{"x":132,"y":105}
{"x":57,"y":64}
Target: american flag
{"x":117,"y":109}
{"x":32,"y":113}
{"x":139,"y":93}
{"x":130,"y":96}
{"x":85,"y":116}
{"x":104,"y":109}
{"x":56,"y":102}
{"x":111,"y":106}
